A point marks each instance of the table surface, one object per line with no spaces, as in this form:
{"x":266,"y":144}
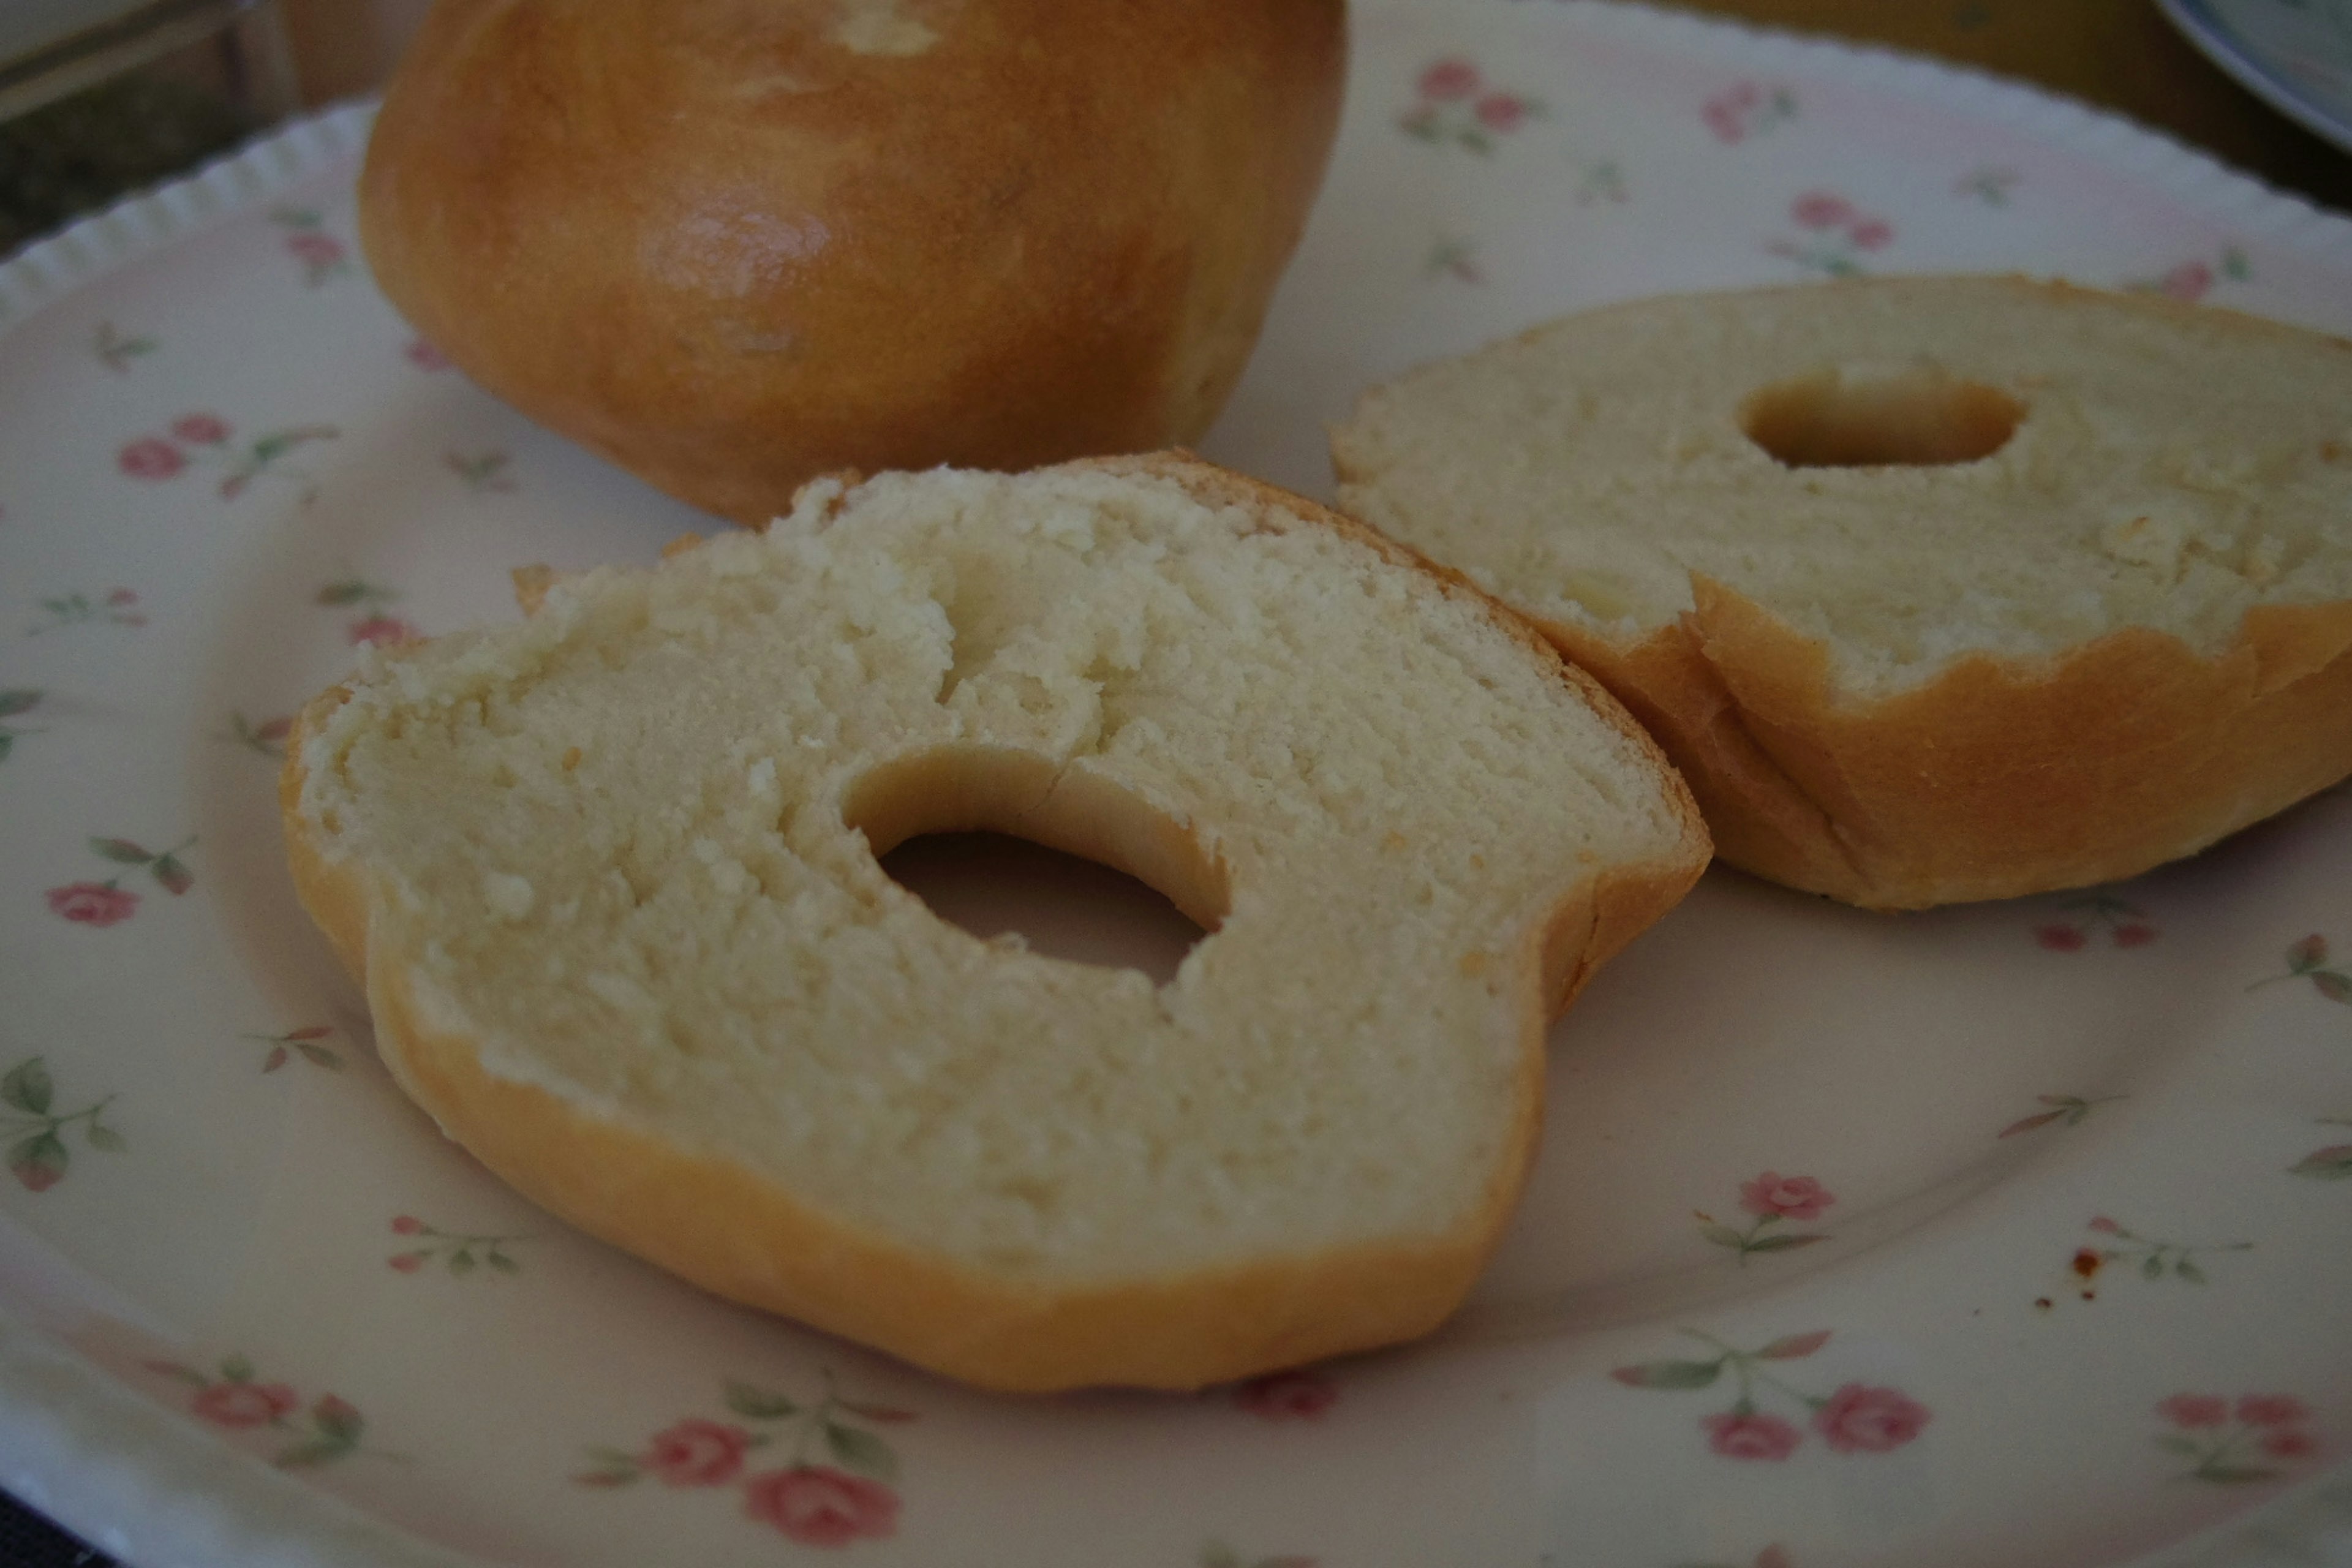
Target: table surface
{"x":2120,"y":55}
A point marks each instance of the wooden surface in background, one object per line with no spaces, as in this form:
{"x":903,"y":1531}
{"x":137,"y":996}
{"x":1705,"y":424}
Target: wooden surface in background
{"x":345,"y":48}
{"x":2120,"y":55}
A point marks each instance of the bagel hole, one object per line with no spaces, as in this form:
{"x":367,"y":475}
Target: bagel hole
{"x":1918,"y":417}
{"x":1064,"y":906}
{"x":999,"y":842}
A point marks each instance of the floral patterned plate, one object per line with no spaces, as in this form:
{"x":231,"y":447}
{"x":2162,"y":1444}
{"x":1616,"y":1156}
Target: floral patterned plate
{"x":2010,"y":1234}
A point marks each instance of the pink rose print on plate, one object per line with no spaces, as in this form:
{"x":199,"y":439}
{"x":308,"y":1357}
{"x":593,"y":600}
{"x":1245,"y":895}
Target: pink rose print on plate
{"x":818,"y":1505}
{"x":1817,"y":209}
{"x":204,"y":440}
{"x":2271,"y":1410}
{"x":1853,"y":1419}
{"x":1750,"y":1436}
{"x":1773,"y":1198}
{"x":244,"y":1404}
{"x":696,"y":1453}
{"x":104,"y":903}
{"x":2087,"y":917}
{"x":2193,"y":279}
{"x":2231,"y":1442}
{"x":1449,"y":81}
{"x":425,"y":356}
{"x":323,"y":256}
{"x":1859,"y":1420}
{"x":236,"y":1401}
{"x":116,"y":606}
{"x":387,"y":631}
{"x":1835,"y":234}
{"x":837,"y":1483}
{"x":319,"y":251}
{"x":460,"y":1252}
{"x":376,"y":625}
{"x":1456,"y":107}
{"x":2308,"y":960}
{"x":38,"y":1156}
{"x":1301,"y":1393}
{"x":1746,"y":109}
{"x":150,"y":457}
{"x":1501,"y":111}
{"x":2195,"y":1410}
{"x":93,"y":903}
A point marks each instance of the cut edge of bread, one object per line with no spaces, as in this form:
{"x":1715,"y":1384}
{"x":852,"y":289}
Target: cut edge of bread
{"x":2063,"y":783}
{"x":1831,"y":779}
{"x":746,"y":1238}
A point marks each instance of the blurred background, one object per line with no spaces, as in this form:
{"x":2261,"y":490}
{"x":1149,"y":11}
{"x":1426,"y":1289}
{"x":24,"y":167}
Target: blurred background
{"x":103,"y":98}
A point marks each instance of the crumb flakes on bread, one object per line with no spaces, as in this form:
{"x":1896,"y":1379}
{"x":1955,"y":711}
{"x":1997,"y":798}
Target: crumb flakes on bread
{"x":610,"y":876}
{"x":1935,"y":589}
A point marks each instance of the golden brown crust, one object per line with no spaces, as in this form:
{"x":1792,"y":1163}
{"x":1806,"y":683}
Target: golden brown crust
{"x":720,"y":1226}
{"x":531,"y":587}
{"x":742,"y":1237}
{"x":1635,"y":897}
{"x":1999,"y":777}
{"x":1756,"y":815}
{"x":731,"y":247}
{"x":345,"y":933}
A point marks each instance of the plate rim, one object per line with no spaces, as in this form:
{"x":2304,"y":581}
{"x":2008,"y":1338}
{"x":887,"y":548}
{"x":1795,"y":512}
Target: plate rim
{"x":2187,"y":171}
{"x":133,"y":1478}
{"x":125,"y":1474}
{"x":2222,"y":45}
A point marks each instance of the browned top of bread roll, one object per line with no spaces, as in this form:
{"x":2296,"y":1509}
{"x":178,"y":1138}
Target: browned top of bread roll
{"x":734,"y":245}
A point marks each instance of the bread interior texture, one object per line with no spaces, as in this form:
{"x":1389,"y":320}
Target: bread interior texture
{"x":626,"y":850}
{"x":1908,"y":471}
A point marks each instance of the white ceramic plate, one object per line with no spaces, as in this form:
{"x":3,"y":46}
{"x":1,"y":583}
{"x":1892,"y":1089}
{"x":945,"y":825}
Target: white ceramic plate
{"x":2014,"y":1234}
{"x":2295,"y":54}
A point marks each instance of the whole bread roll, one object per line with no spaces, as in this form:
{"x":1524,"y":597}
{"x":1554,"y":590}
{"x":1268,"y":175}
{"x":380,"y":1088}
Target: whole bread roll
{"x":610,"y":877}
{"x":734,"y":244}
{"x":1934,"y":589}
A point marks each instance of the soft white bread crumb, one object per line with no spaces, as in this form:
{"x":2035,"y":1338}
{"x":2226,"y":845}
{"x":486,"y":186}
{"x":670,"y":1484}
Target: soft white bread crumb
{"x":610,"y":876}
{"x":1934,"y":588}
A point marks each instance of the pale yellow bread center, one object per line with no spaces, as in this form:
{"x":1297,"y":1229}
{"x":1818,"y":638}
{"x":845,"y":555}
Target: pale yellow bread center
{"x":626,"y":850}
